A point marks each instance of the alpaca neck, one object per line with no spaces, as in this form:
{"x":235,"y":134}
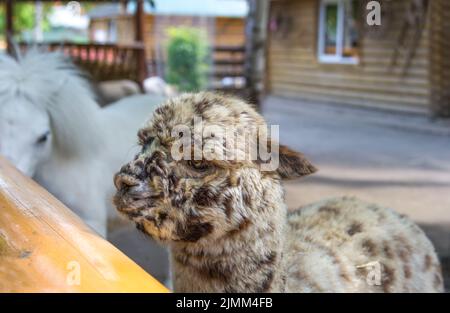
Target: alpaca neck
{"x":247,"y":259}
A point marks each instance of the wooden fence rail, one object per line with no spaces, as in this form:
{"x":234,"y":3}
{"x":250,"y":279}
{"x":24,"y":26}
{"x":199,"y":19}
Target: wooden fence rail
{"x":44,"y":247}
{"x":228,"y":62}
{"x":104,"y":62}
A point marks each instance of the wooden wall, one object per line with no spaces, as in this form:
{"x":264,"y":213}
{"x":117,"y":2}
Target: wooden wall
{"x":219,"y":31}
{"x":97,"y":24}
{"x":126,"y":29}
{"x":295,"y":71}
{"x":229,"y":31}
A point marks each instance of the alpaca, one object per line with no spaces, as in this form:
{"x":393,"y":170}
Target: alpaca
{"x":227,"y":225}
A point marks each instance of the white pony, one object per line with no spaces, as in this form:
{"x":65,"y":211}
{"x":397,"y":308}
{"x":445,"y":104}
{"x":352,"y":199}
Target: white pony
{"x":52,"y":129}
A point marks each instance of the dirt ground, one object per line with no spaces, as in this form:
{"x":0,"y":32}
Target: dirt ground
{"x":396,"y":160}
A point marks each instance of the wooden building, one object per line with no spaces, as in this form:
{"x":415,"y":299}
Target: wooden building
{"x":222,"y":21}
{"x":325,"y":50}
{"x":103,"y":61}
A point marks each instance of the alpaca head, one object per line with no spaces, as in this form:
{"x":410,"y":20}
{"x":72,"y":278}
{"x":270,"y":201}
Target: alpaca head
{"x":197,"y":177}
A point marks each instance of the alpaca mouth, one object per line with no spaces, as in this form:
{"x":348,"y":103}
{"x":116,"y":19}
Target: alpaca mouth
{"x":141,"y":228}
{"x":132,"y":213}
{"x":124,"y":205}
{"x":131,"y":206}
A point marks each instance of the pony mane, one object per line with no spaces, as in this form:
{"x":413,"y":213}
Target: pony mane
{"x":38,"y":75}
{"x":50,"y":80}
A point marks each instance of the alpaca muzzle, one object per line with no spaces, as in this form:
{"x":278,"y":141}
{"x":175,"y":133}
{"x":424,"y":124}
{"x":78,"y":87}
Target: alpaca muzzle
{"x":132,"y":196}
{"x":125,"y":182}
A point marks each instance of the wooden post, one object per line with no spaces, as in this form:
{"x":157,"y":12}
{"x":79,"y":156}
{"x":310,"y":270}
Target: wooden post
{"x":9,"y":27}
{"x":256,"y":33}
{"x":439,"y":56}
{"x":123,"y":6}
{"x":45,"y":247}
{"x":139,"y":37}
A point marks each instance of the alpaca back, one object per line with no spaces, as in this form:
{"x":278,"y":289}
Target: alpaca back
{"x":345,"y":245}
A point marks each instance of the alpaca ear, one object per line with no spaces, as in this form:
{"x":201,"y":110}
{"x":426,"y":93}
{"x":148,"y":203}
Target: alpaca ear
{"x":293,"y":164}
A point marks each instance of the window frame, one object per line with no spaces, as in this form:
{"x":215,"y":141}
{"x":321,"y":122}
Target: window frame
{"x":338,"y":57}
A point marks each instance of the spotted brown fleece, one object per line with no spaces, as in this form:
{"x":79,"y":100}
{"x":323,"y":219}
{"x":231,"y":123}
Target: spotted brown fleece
{"x":227,"y":224}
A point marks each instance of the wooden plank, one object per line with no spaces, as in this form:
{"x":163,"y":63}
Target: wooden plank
{"x":45,"y":247}
{"x":229,"y":62}
{"x":232,"y":49}
{"x":227,"y":74}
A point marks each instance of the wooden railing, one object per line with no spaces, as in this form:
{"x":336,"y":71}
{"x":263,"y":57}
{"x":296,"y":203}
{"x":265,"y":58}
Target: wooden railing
{"x":228,"y":61}
{"x":44,"y":247}
{"x":104,"y":62}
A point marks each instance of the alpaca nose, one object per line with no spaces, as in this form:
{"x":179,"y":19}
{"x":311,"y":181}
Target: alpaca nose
{"x":124,"y":181}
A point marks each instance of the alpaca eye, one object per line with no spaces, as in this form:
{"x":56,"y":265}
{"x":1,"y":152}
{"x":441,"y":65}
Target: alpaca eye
{"x":144,"y":138}
{"x":43,"y":138}
{"x":148,"y":142}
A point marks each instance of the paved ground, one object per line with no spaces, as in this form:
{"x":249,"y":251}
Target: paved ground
{"x":399,"y":161}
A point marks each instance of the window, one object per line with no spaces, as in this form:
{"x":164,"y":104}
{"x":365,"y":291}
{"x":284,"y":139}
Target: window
{"x":338,"y":33}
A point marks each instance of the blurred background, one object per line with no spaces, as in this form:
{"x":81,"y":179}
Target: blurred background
{"x":368,"y":104}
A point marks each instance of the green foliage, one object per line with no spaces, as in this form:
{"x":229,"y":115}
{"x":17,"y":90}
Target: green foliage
{"x":187,"y":59}
{"x":2,"y":19}
{"x":24,"y":17}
